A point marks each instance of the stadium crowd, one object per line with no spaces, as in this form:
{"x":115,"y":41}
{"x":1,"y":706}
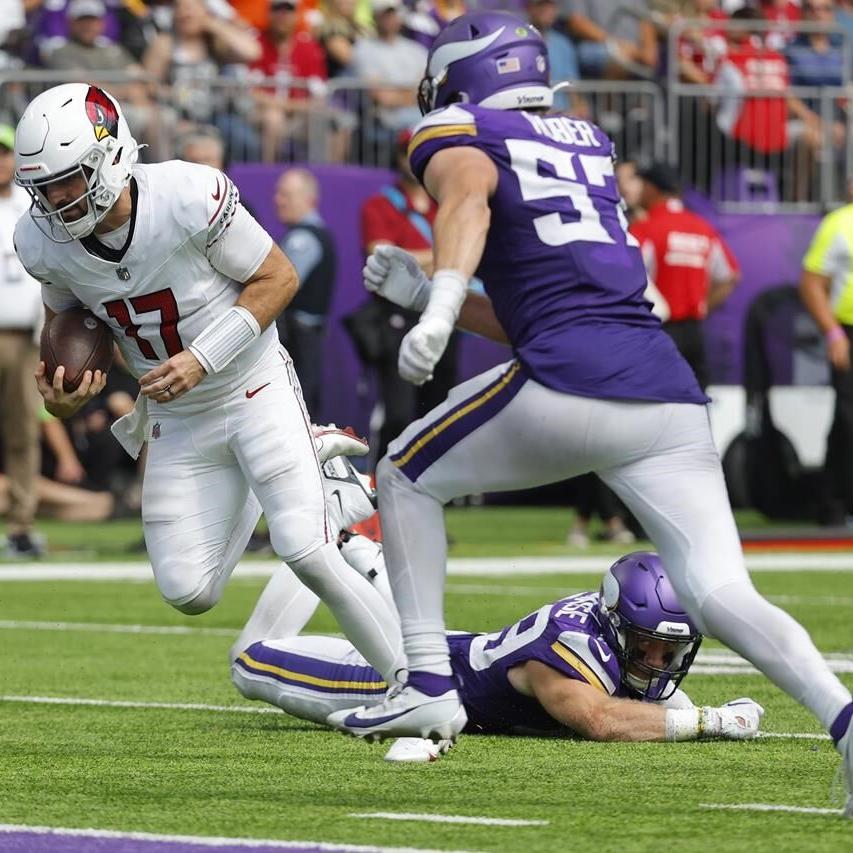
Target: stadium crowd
{"x":216,"y":82}
{"x":336,"y":80}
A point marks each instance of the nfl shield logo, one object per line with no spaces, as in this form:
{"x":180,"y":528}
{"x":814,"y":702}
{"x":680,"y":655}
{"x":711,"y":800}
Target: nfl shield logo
{"x":155,"y":431}
{"x":123,"y":273}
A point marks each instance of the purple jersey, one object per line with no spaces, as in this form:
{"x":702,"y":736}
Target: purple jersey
{"x":565,"y":635}
{"x":565,"y":278}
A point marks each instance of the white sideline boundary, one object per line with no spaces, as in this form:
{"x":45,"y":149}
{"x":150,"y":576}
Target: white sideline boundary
{"x":210,"y":841}
{"x":260,"y":708}
{"x":769,"y":807}
{"x":449,"y":818}
{"x":788,"y":561}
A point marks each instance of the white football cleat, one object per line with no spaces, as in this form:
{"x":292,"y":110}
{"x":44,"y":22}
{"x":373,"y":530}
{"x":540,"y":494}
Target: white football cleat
{"x":331,"y":442}
{"x":416,"y":750}
{"x":426,"y":706}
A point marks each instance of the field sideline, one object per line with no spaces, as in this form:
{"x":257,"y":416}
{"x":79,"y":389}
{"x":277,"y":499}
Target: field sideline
{"x":117,"y":715}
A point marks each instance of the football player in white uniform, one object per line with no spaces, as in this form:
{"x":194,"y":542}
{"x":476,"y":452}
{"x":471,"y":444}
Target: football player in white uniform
{"x":189,"y":283}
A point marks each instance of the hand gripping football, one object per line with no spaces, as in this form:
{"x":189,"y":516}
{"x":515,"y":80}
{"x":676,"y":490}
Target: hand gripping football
{"x":77,"y":339}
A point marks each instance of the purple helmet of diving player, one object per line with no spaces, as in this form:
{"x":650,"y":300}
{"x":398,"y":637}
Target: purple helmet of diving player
{"x":639,"y":611}
{"x":489,"y":58}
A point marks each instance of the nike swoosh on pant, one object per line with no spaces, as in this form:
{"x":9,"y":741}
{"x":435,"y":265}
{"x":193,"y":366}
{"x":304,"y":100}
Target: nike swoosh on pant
{"x":250,"y":394}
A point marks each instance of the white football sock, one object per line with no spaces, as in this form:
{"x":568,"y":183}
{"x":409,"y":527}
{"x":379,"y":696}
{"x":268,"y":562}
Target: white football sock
{"x":283,"y":610}
{"x":777,"y":645}
{"x":367,"y":558}
{"x":359,"y":608}
{"x":415,"y":549}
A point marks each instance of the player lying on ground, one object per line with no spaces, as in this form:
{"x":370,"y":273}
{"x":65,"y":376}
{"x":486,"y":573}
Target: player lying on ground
{"x":528,"y":202}
{"x":573,"y":665}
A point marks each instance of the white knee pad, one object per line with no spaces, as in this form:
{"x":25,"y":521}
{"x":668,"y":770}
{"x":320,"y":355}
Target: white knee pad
{"x":194,"y":603}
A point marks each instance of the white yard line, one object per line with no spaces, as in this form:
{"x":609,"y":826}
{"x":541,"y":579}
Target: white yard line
{"x":106,"y":628}
{"x":787,"y":561}
{"x":450,"y":818}
{"x":768,"y":807}
{"x":120,"y":703}
{"x":248,"y":709}
{"x":209,"y":841}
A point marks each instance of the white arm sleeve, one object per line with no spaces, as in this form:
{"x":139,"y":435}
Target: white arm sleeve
{"x":240,"y":247}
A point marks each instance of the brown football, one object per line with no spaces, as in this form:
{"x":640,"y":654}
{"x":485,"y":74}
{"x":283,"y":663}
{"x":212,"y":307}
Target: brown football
{"x":77,"y":339}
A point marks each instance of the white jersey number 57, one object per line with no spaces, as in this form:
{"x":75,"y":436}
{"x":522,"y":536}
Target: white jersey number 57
{"x":525,"y":156}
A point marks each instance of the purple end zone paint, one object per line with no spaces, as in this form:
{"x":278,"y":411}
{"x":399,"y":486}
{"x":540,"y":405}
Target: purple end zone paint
{"x":54,"y":842}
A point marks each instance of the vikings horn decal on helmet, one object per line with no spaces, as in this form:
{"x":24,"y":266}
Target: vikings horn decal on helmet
{"x":638,"y":609}
{"x":494,"y":59}
{"x":102,"y":113}
{"x":73,"y":145}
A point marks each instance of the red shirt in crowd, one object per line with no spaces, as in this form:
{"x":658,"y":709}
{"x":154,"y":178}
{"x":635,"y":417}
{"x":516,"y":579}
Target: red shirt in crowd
{"x":707,"y":53}
{"x":759,"y":122}
{"x":683,"y":254}
{"x":384,"y":222}
{"x":300,"y":56}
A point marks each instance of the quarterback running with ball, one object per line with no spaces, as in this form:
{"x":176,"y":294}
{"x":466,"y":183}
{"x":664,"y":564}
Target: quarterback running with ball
{"x":189,"y":284}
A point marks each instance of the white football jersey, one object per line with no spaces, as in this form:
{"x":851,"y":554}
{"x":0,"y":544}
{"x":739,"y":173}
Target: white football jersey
{"x":189,"y":245}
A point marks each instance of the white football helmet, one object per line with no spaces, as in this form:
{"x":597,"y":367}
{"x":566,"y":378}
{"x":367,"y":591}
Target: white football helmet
{"x":73,"y":128}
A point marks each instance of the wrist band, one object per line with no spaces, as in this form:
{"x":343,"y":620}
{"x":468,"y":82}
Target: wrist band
{"x":219,"y":343}
{"x":683,"y":723}
{"x":836,"y":333}
{"x":446,"y":296}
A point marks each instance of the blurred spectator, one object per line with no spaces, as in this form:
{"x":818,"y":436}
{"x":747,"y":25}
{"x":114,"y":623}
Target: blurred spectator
{"x":688,"y":261}
{"x":202,"y":145}
{"x":430,"y":17}
{"x":700,"y":49}
{"x":826,"y":288}
{"x":311,"y":248}
{"x":786,"y":15}
{"x":754,"y":128}
{"x":296,"y":63}
{"x":392,"y":66}
{"x":338,"y":34}
{"x":51,"y":24}
{"x":140,"y":23}
{"x":815,"y":59}
{"x":615,"y":38}
{"x":190,"y":59}
{"x":86,"y":48}
{"x":402,"y":214}
{"x":20,"y":321}
{"x":630,"y":188}
{"x":561,"y":51}
{"x":593,"y":498}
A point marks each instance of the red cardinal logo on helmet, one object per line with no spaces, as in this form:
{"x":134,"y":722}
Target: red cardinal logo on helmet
{"x":102,"y":113}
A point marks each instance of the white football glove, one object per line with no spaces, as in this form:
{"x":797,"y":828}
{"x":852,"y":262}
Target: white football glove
{"x":736,"y":720}
{"x":396,"y":275}
{"x":421,"y":349}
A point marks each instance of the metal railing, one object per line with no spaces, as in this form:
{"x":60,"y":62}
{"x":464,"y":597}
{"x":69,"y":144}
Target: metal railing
{"x":783,"y":148}
{"x":285,"y":120}
{"x":281,"y":119}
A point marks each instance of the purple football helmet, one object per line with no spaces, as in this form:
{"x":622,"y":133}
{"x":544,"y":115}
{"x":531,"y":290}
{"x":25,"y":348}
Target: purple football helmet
{"x":489,"y":58}
{"x":642,"y":619}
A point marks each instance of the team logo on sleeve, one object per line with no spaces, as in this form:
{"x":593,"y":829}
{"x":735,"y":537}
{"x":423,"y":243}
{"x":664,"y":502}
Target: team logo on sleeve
{"x":102,"y":112}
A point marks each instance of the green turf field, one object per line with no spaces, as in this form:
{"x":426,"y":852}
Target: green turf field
{"x":225,"y":773}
